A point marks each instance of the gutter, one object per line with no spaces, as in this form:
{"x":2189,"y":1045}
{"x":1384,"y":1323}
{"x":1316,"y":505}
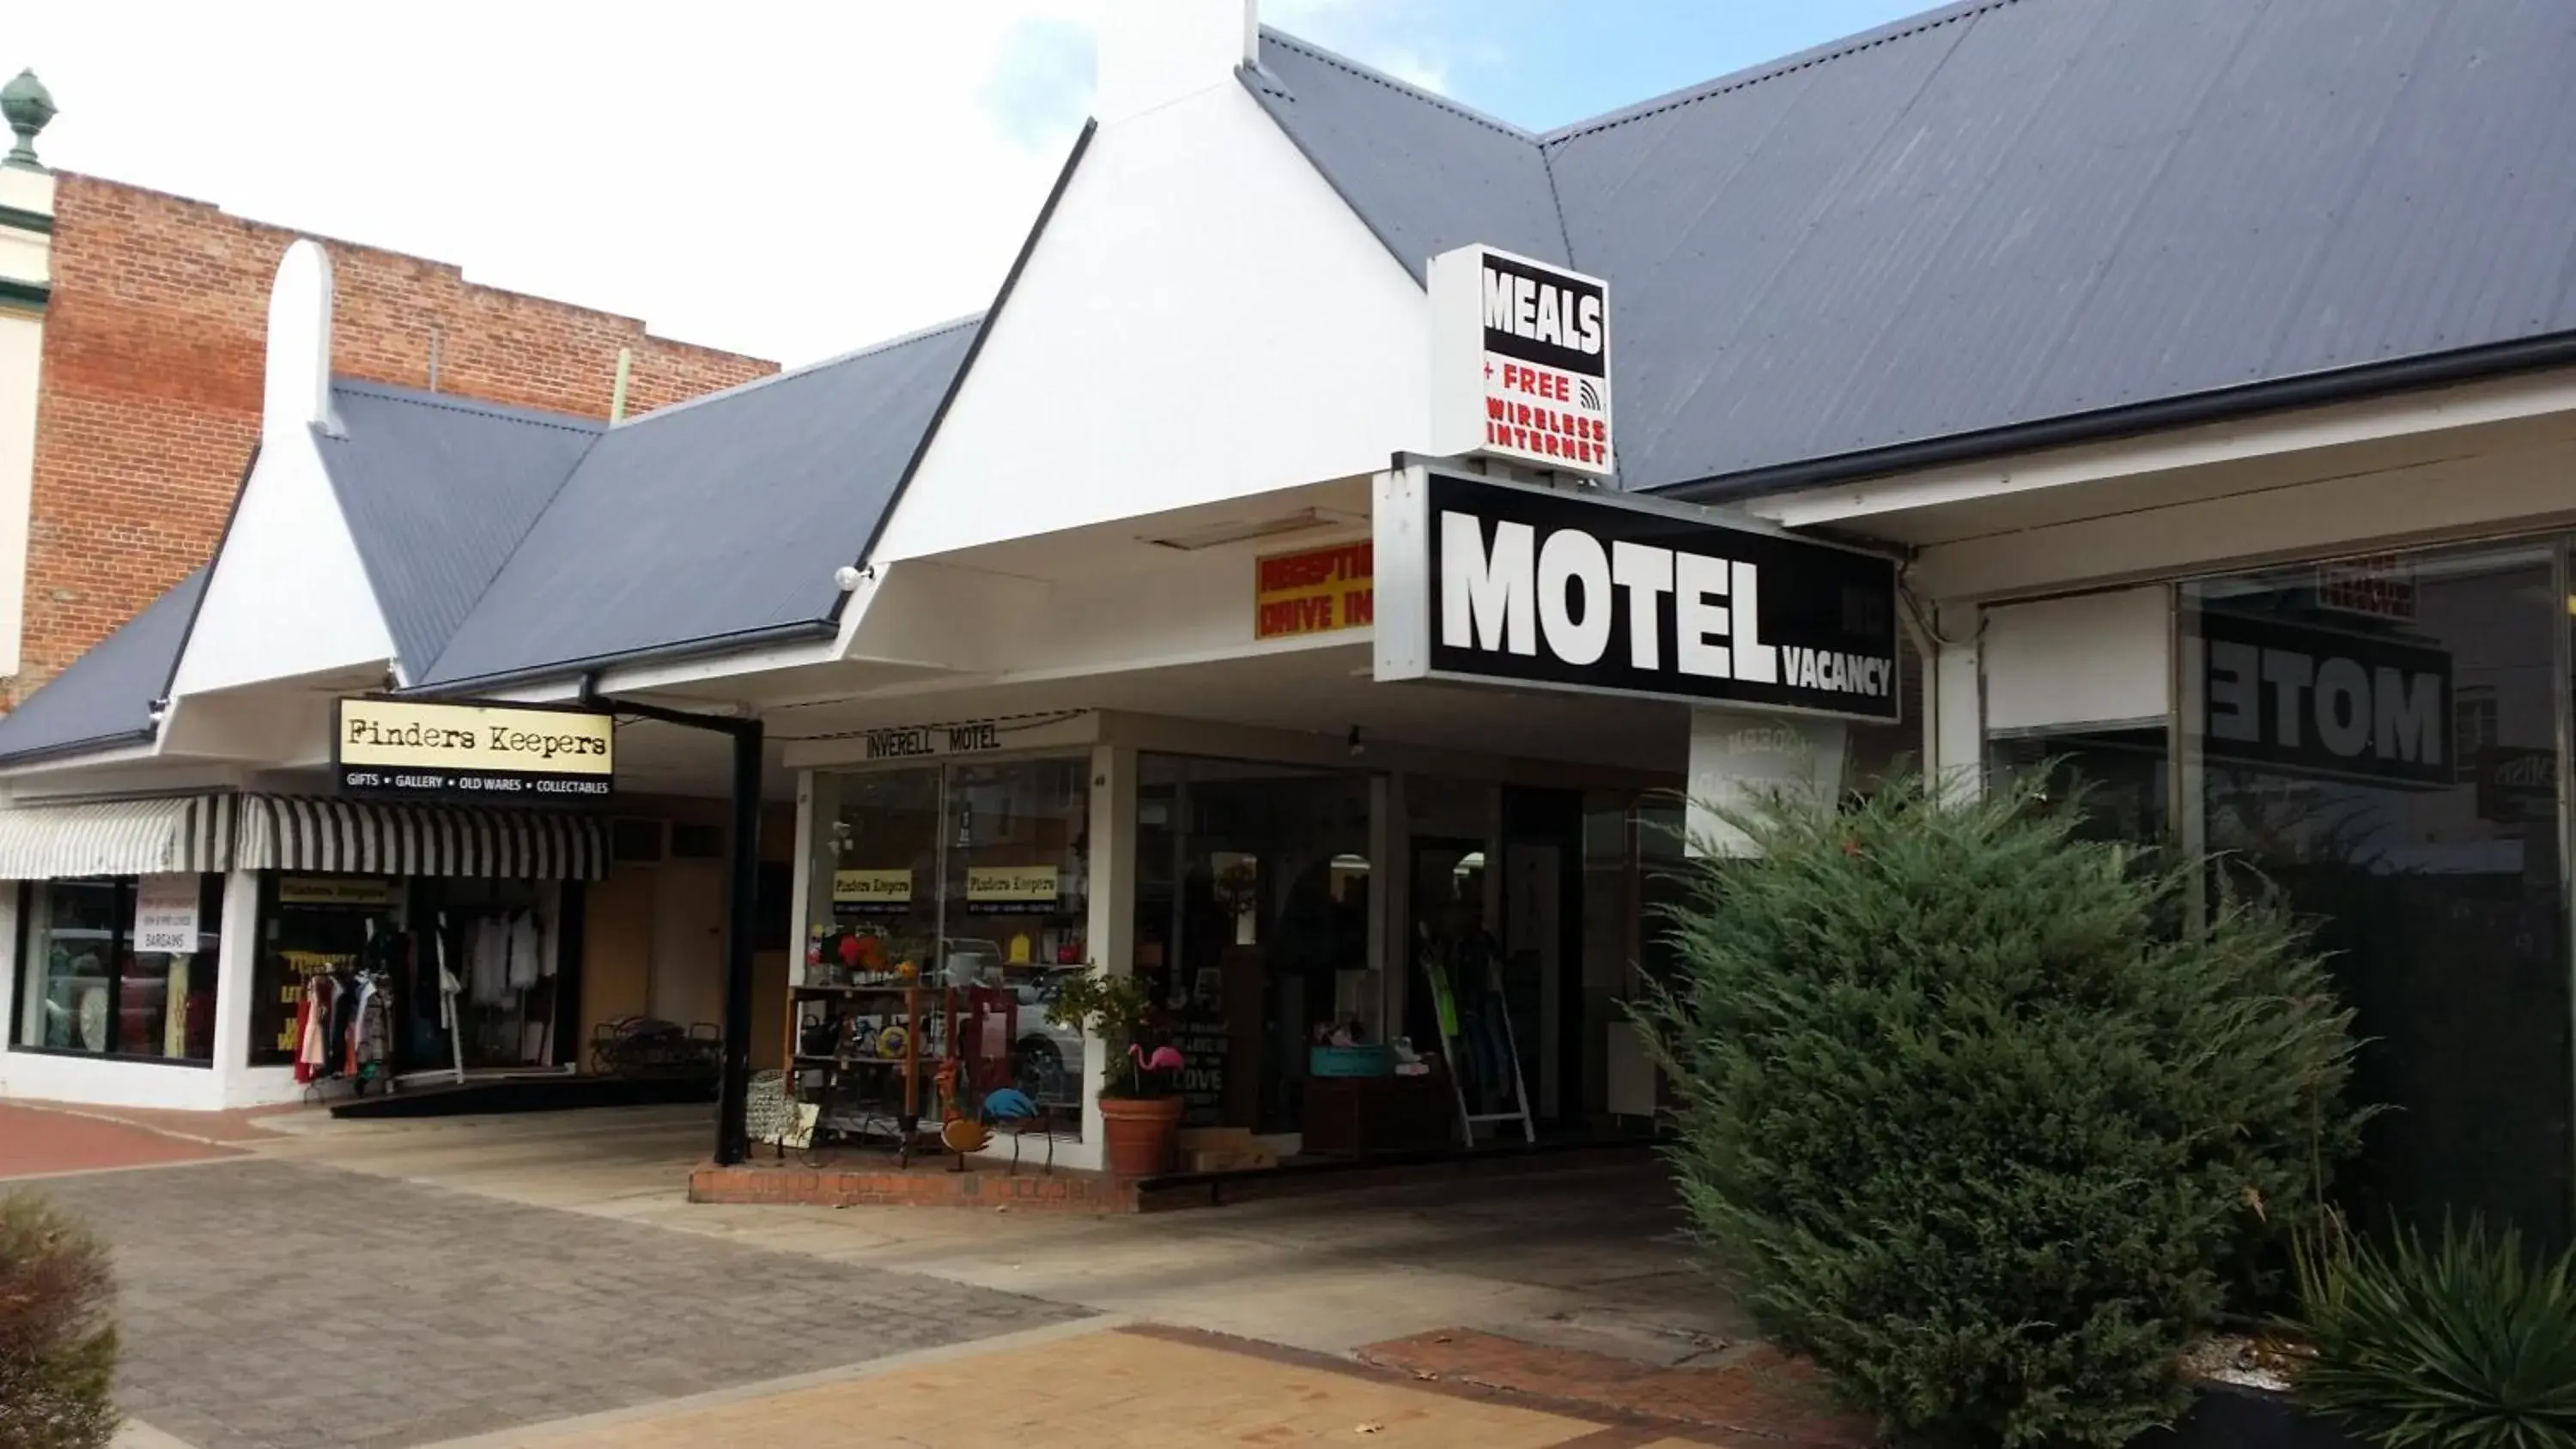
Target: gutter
{"x":92,"y":745}
{"x":2315,"y":389}
{"x":801,"y":631}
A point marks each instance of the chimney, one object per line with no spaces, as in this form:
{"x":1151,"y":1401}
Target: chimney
{"x":1154,"y":52}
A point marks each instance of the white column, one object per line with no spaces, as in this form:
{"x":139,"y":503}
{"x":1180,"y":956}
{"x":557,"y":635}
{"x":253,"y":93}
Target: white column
{"x":236,"y":967}
{"x":1111,"y":932}
{"x":1954,"y":703}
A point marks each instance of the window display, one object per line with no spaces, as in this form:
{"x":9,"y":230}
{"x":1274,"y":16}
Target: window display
{"x":967,"y":884}
{"x":90,"y":986}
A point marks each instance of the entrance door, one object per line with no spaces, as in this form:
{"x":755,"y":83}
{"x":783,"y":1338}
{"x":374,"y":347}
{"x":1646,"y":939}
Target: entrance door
{"x":1533,"y":950}
{"x":687,"y":981}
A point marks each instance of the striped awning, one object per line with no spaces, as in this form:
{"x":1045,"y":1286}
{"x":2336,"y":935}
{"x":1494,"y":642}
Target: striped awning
{"x":172,"y":834}
{"x":307,"y":832}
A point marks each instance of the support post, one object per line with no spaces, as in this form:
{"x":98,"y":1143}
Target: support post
{"x":742,"y":927}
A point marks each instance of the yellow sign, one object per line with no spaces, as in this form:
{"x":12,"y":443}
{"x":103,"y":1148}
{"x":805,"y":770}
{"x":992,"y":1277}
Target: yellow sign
{"x":1315,"y":590}
{"x":405,"y":747}
{"x":872,"y":887}
{"x":1011,"y":883}
{"x":317,"y":890}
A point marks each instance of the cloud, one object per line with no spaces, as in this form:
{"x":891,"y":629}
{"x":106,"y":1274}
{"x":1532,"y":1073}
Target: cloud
{"x":1041,"y":83}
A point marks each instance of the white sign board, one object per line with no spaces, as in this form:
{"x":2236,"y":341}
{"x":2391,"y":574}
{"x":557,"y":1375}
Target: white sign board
{"x":1520,"y":362}
{"x":165,"y":915}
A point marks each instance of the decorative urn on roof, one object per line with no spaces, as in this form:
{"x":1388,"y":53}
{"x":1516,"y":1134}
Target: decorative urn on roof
{"x":27,"y":105}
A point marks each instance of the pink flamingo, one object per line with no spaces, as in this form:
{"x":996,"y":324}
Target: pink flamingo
{"x":1166,"y":1058}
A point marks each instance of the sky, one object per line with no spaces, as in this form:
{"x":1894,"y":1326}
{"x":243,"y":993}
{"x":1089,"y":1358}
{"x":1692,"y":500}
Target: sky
{"x":791,"y":180}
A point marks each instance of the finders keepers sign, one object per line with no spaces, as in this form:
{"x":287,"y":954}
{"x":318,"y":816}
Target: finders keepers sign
{"x":1507,"y":583}
{"x":1520,"y":362}
{"x":402,"y":747}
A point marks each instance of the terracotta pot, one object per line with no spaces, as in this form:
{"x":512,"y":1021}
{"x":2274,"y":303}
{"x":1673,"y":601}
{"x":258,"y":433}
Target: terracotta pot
{"x":1138,"y":1133}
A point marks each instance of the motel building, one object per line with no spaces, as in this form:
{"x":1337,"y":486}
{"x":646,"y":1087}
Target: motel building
{"x":1315,"y":582}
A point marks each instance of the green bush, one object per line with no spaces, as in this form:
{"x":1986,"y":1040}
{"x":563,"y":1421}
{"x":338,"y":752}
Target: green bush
{"x":1967,"y":1116}
{"x":2468,"y":1344}
{"x":57,"y":1343}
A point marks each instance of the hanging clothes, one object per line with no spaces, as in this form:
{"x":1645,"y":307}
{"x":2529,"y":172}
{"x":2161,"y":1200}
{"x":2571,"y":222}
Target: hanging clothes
{"x":487,"y":961}
{"x":527,"y":948}
{"x":313,"y":1028}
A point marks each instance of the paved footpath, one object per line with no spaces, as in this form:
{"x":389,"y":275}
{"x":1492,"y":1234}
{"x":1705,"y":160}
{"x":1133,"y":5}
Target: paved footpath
{"x":479,"y":1283}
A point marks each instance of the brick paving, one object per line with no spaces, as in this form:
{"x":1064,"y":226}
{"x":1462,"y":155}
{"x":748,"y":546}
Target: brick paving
{"x":1756,"y":1392}
{"x":35,"y":1142}
{"x":274,"y":1305}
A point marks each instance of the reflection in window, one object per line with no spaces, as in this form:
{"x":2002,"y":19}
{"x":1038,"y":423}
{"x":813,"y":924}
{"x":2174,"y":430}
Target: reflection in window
{"x":86,"y":989}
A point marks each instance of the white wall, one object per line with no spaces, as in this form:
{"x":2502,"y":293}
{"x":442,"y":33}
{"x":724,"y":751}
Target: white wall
{"x":2084,"y":660}
{"x":1204,"y":318}
{"x":289,"y":595}
{"x":26,"y":256}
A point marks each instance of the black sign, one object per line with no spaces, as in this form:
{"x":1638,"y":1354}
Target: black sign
{"x":1542,"y":315}
{"x":1502,"y":583}
{"x":2303,"y":700}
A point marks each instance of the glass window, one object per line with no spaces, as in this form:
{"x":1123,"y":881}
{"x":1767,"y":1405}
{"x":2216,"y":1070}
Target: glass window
{"x":1252,"y":925}
{"x":974,"y":876}
{"x":85,"y":987}
{"x":2379,"y":739}
{"x":2121,"y":774}
{"x":318,"y":925}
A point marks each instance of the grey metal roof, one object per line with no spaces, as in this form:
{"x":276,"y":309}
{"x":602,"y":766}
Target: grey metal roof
{"x":106,"y":696}
{"x":1999,"y":214}
{"x":438,"y":491}
{"x":716,"y":518}
{"x":1426,"y":174}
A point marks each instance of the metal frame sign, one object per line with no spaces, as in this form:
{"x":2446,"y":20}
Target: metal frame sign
{"x":1520,"y":361}
{"x":473,"y":751}
{"x":1504,"y":583}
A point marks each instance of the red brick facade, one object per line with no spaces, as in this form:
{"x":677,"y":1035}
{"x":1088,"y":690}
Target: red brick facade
{"x":155,"y":337}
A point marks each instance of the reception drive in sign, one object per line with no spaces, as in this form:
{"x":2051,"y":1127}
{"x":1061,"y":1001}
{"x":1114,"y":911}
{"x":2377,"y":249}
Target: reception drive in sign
{"x":1520,"y":362}
{"x":477,"y":752}
{"x":1506,"y":583}
{"x":1314,"y":590}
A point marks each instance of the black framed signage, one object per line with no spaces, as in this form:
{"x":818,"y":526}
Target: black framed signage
{"x":484,"y":752}
{"x":1505,"y":583}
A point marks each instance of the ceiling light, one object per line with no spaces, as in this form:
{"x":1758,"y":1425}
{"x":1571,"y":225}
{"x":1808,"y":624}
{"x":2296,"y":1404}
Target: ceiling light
{"x":1240,"y":530}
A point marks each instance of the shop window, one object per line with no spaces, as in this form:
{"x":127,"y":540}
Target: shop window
{"x":2379,"y":740}
{"x":971,"y":878}
{"x":86,"y":987}
{"x":1252,"y":926}
{"x":314,"y":926}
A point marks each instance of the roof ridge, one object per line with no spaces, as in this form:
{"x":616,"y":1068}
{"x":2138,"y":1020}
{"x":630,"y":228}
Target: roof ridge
{"x":463,"y":403}
{"x":1754,"y":75}
{"x":1371,"y":73}
{"x":889,"y":344}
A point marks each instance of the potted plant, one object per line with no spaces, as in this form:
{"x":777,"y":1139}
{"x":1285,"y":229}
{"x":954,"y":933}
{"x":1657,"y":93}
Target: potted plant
{"x":1139,"y":1110}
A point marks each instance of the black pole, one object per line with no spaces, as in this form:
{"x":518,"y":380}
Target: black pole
{"x":742,"y":908}
{"x":733,"y":1134}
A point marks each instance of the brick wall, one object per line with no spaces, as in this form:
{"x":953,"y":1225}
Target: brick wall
{"x":154,"y":344}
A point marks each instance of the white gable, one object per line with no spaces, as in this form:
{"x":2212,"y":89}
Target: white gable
{"x":1202,"y":319}
{"x":289,"y":595}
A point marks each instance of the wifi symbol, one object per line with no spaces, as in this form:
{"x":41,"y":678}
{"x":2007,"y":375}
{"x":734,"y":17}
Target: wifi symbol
{"x":1588,"y":395}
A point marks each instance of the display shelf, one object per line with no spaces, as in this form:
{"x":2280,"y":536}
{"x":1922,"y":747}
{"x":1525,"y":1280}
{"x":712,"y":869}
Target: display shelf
{"x":844,"y":1090}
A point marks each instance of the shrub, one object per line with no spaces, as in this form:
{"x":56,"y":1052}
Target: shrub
{"x":2468,"y":1344}
{"x":1968,"y":1117}
{"x":57,"y":1345}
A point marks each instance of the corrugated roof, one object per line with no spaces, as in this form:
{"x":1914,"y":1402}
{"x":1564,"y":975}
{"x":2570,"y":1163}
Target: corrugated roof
{"x":715,"y":518}
{"x":438,"y":491}
{"x":106,"y":697}
{"x":2000,"y":214}
{"x":1426,"y":174}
